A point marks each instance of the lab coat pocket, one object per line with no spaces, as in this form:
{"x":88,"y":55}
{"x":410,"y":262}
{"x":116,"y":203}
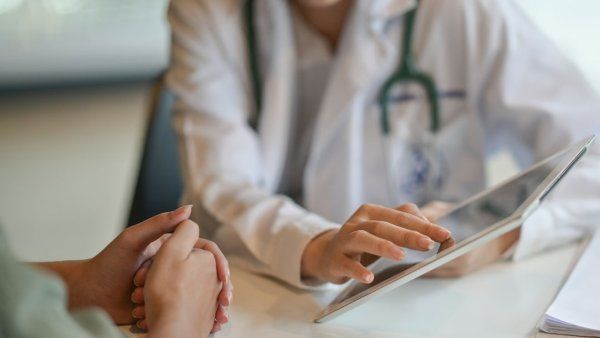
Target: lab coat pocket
{"x":417,"y":160}
{"x":404,"y":149}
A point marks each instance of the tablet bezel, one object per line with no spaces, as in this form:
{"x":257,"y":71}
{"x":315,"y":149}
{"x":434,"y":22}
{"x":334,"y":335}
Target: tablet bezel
{"x":336,"y":307}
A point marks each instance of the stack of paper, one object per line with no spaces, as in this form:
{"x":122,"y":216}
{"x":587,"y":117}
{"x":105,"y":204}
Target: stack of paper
{"x":576,"y":309}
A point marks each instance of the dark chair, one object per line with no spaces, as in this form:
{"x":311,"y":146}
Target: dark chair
{"x":159,"y":183}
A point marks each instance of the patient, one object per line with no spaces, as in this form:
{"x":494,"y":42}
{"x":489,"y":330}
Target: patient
{"x":92,"y":295}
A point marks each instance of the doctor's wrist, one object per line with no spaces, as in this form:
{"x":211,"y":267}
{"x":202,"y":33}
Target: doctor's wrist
{"x":312,"y":257}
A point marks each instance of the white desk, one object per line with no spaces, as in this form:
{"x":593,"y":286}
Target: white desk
{"x":504,"y":300}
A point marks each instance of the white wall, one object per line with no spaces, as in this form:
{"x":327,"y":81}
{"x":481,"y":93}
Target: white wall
{"x":574,"y":25}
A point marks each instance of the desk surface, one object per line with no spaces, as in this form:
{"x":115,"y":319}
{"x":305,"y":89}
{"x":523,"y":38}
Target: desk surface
{"x":504,"y":300}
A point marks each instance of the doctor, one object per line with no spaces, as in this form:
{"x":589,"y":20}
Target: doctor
{"x":290,"y":119}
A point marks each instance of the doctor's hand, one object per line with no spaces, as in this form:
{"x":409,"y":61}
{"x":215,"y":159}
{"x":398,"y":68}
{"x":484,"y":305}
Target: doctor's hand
{"x":435,"y":210}
{"x":478,"y":258}
{"x":472,"y":260}
{"x":371,"y":232}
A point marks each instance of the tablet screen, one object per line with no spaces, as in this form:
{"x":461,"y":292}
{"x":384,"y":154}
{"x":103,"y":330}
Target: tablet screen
{"x":470,"y":219}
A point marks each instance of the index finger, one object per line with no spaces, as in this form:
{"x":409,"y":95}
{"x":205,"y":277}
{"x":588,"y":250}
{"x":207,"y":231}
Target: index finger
{"x":139,"y":279}
{"x":222,"y":264}
{"x":408,"y":221}
{"x":151,"y":229}
{"x":222,"y":269}
{"x":412,"y":209}
{"x":181,"y":243}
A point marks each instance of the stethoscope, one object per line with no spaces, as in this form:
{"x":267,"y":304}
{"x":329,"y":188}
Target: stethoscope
{"x":422,"y":178}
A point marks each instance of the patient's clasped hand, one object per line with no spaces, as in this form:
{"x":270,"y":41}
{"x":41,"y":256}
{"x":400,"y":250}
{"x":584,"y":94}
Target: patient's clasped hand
{"x":185,"y":279}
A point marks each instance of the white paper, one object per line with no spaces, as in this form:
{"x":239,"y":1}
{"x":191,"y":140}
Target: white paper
{"x":576,"y":309}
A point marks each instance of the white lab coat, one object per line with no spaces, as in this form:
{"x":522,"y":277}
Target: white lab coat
{"x":514,"y":90}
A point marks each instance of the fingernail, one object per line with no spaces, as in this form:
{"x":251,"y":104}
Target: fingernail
{"x":368,"y":278}
{"x":425,"y":243}
{"x":229,"y":296}
{"x":397,"y":253}
{"x":444,"y":233}
{"x":182,"y":210}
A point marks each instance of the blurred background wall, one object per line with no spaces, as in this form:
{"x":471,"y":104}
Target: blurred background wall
{"x":75,"y":80}
{"x":58,"y":41}
{"x":574,"y":26}
{"x":75,"y":83}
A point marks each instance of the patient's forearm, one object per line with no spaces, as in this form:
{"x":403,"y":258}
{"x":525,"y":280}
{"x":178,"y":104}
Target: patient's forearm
{"x":73,"y":274}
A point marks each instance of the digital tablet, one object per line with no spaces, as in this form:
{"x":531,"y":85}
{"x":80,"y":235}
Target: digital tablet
{"x":476,"y":221}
